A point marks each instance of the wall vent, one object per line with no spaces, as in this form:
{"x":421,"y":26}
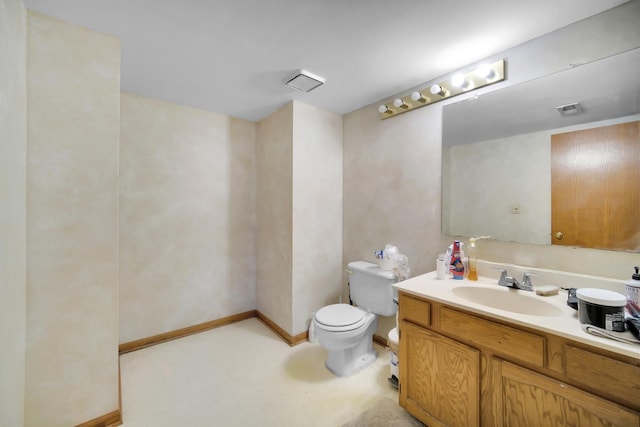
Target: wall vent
{"x":304,"y":81}
{"x":569,"y":109}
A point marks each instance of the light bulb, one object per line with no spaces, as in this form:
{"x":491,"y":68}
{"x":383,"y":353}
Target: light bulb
{"x":384,"y":109}
{"x":419,"y":97}
{"x":485,"y":71}
{"x":438,"y":90}
{"x":459,"y":80}
{"x":399,"y":103}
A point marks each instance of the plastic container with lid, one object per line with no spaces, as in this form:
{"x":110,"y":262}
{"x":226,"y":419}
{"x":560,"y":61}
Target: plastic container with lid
{"x":601,"y":308}
{"x":632,"y":289}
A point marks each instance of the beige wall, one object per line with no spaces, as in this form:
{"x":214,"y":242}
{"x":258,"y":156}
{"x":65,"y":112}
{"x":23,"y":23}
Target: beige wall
{"x":299,"y":207}
{"x":317,"y":212}
{"x":187,"y":217}
{"x":274,"y":202}
{"x":392,"y":174}
{"x":13,"y":148}
{"x":73,"y":101}
{"x":393,"y":167}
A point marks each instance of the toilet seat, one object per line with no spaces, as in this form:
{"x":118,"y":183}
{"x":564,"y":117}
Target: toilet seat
{"x":340,"y":318}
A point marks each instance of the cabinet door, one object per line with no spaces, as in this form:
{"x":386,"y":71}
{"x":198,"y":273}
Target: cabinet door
{"x":439,"y":378}
{"x":526,"y":398}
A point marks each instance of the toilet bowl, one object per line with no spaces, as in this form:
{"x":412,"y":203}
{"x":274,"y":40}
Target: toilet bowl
{"x":346,"y":332}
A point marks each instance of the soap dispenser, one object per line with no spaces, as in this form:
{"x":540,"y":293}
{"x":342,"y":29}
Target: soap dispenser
{"x":473,"y":257}
{"x":473,"y":260}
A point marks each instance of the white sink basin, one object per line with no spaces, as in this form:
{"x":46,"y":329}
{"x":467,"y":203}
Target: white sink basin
{"x":507,"y":299}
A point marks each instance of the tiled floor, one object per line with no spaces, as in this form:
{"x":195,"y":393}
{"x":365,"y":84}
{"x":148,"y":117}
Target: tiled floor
{"x":244,"y":375}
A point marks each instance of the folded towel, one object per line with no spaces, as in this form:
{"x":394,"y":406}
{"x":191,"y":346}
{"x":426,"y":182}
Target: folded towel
{"x":625,"y":337}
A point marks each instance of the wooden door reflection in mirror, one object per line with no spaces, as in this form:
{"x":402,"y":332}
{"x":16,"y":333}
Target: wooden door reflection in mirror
{"x":595,"y":187}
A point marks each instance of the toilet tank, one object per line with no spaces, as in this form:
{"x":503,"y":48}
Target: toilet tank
{"x":371,"y":287}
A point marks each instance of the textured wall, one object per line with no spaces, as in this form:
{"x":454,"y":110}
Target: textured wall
{"x":13,"y":148}
{"x":485,"y":185}
{"x":317,"y":212}
{"x":187,"y":217}
{"x":73,"y":100}
{"x":299,"y":205}
{"x":392,"y":188}
{"x":274,"y":201}
{"x":393,"y":167}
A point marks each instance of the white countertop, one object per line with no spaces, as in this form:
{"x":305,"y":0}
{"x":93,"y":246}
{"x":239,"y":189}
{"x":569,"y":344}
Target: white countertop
{"x":565,"y":323}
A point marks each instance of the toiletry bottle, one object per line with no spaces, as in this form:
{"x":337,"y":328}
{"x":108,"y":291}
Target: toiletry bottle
{"x":457,"y":267}
{"x":473,"y":260}
{"x":447,"y":259}
{"x":632,"y":288}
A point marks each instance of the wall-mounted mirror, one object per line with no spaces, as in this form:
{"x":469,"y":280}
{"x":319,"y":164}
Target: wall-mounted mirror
{"x":497,"y":151}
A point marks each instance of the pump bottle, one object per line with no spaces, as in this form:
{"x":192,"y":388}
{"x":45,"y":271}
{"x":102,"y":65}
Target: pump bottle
{"x":473,"y":260}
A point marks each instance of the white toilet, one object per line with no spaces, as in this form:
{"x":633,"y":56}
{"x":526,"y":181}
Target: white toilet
{"x":345,"y":331}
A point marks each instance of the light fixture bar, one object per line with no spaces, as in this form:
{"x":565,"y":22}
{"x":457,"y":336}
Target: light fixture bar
{"x":483,"y":75}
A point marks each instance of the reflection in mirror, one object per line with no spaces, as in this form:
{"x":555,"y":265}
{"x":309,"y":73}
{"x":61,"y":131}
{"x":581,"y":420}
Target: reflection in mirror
{"x":497,"y":147}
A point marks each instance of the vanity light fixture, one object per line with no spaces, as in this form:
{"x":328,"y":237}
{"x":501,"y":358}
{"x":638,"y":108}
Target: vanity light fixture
{"x":399,"y":103}
{"x":483,"y":75}
{"x":418,"y":96}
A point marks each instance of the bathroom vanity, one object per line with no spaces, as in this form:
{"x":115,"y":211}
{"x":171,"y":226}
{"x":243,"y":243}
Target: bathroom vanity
{"x":474,"y":353}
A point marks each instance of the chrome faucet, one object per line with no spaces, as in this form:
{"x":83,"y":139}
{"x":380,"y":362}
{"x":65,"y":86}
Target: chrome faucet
{"x":526,"y":284}
{"x":512,"y":282}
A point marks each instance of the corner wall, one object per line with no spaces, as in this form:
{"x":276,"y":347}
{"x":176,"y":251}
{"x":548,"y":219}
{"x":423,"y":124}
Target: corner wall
{"x":73,"y":115}
{"x":299,"y":206}
{"x":13,"y":193}
{"x":187,"y":217}
{"x":317,"y":212}
{"x":274,"y":204}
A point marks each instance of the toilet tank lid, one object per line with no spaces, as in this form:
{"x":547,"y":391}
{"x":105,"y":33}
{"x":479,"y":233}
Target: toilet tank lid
{"x":370,"y":268}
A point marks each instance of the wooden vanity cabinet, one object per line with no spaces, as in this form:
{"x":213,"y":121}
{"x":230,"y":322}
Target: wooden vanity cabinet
{"x":447,"y":389}
{"x":461,"y":369}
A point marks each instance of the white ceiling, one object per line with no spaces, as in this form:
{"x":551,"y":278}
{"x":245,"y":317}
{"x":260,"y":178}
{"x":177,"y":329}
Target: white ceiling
{"x":231,"y":56}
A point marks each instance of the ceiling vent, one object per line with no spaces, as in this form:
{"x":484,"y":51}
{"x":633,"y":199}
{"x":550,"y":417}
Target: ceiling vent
{"x":303,"y":80}
{"x":569,"y":109}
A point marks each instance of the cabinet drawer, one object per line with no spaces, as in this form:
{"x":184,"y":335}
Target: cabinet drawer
{"x":501,"y":339}
{"x":415,"y":310}
{"x":614,"y":378}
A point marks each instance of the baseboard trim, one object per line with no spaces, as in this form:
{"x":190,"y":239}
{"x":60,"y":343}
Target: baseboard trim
{"x":111,"y":419}
{"x":180,"y":333}
{"x":288,"y":338}
{"x":380,"y":340}
{"x":114,"y":418}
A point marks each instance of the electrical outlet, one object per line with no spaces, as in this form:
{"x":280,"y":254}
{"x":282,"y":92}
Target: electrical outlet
{"x":514,"y":210}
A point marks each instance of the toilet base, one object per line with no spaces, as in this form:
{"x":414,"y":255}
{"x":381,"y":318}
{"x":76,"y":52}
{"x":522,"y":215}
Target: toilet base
{"x":351,"y":360}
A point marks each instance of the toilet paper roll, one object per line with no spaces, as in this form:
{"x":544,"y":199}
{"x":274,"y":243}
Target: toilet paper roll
{"x":441,"y":271}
